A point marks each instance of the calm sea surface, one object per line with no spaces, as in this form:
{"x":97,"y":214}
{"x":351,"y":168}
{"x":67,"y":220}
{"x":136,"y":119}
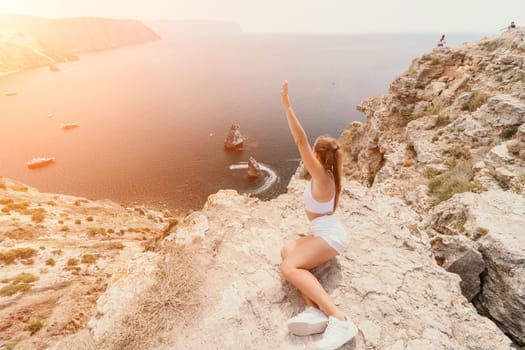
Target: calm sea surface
{"x":153,"y":117}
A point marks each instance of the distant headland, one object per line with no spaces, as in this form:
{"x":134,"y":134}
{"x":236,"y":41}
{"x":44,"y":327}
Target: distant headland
{"x":30,"y":42}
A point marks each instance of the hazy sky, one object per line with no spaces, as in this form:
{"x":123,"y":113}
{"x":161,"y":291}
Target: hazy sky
{"x":298,"y":15}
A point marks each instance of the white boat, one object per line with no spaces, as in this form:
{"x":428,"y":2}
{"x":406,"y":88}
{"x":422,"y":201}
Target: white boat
{"x":40,"y":162}
{"x":67,"y":126}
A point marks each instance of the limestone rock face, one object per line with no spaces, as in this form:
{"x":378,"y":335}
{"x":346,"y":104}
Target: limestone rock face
{"x":387,"y":280}
{"x":493,"y":222}
{"x":470,"y":97}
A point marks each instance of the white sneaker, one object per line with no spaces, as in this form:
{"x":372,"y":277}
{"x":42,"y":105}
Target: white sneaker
{"x":310,"y":321}
{"x":337,"y":333}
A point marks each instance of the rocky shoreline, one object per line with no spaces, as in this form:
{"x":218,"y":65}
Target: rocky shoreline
{"x":433,"y":203}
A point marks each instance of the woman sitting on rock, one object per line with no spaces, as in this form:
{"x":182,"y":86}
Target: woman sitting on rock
{"x":326,"y":240}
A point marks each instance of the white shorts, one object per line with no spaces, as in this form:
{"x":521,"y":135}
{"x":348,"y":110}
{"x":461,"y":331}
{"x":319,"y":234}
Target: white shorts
{"x":330,"y":228}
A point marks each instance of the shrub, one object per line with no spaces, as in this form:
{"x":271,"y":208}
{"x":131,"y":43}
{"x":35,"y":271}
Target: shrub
{"x":78,"y":222}
{"x":34,"y":326}
{"x":441,"y":119}
{"x":89,"y":218}
{"x":93,"y":231}
{"x":10,"y":256}
{"x":411,"y":150}
{"x":57,"y":252}
{"x":24,"y":278}
{"x":14,"y":288}
{"x":64,"y":228}
{"x":72,"y":262}
{"x":475,"y":101}
{"x":88,"y":259}
{"x":457,"y":152}
{"x":19,"y":188}
{"x":456,"y":180}
{"x":433,"y":109}
{"x":50,"y":262}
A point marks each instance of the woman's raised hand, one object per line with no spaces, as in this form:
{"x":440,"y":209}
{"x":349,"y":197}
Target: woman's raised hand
{"x":285,"y":99}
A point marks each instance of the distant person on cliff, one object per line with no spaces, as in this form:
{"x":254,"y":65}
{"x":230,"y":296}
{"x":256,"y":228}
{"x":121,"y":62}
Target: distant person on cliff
{"x":512,"y":25}
{"x":442,"y":42}
{"x":327,"y":237}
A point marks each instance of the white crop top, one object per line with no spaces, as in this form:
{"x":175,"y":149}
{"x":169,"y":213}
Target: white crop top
{"x":315,"y":207}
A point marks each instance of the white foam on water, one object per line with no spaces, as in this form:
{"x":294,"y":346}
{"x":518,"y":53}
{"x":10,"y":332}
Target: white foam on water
{"x":268,"y":182}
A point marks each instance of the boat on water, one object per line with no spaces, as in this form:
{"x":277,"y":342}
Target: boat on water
{"x":40,"y":162}
{"x":68,"y":126}
{"x":10,"y":93}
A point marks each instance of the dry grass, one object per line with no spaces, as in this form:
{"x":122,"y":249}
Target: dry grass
{"x":168,"y":302}
{"x":9,"y":257}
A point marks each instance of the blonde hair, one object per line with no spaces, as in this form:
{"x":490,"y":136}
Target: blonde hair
{"x":331,"y":157}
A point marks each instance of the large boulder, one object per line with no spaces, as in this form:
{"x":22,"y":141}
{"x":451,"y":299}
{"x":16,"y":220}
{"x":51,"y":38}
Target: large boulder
{"x":494,"y":221}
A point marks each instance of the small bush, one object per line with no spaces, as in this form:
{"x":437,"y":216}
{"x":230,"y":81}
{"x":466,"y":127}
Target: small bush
{"x":15,"y":288}
{"x":50,"y":262}
{"x":93,"y":231}
{"x":441,"y":119}
{"x":475,"y":101}
{"x":72,"y":262}
{"x":456,"y":180}
{"x":78,"y":222}
{"x":34,"y":326}
{"x":19,"y":188}
{"x":57,"y":252}
{"x":20,"y":206}
{"x":43,"y":270}
{"x":88,"y":259}
{"x":6,"y":201}
{"x":8,"y":257}
{"x":457,"y":152}
{"x":24,"y":278}
{"x":89,"y":218}
{"x":64,"y":228}
{"x":434,"y":109}
{"x":410,"y":150}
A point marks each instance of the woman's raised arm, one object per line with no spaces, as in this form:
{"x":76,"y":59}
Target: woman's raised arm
{"x":314,"y":167}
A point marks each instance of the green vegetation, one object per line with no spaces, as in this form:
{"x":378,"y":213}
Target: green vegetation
{"x":370,"y":179}
{"x":461,"y":219}
{"x":8,"y":257}
{"x":410,"y":150}
{"x":518,"y":184}
{"x":93,"y":231}
{"x":72,"y":262}
{"x":88,"y":259}
{"x":34,"y":326}
{"x":15,"y":288}
{"x":475,"y":101}
{"x":19,"y":188}
{"x":434,"y":109}
{"x":457,"y":152}
{"x":23,"y":278}
{"x":441,"y":119}
{"x":456,"y":180}
{"x":57,"y":252}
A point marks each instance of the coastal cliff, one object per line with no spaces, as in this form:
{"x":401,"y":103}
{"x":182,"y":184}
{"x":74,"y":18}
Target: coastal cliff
{"x":432,"y":200}
{"x":28,"y":42}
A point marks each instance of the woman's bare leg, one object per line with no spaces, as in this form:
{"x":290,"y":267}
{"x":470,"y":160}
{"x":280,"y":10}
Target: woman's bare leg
{"x":295,"y":268}
{"x":287,"y":250}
